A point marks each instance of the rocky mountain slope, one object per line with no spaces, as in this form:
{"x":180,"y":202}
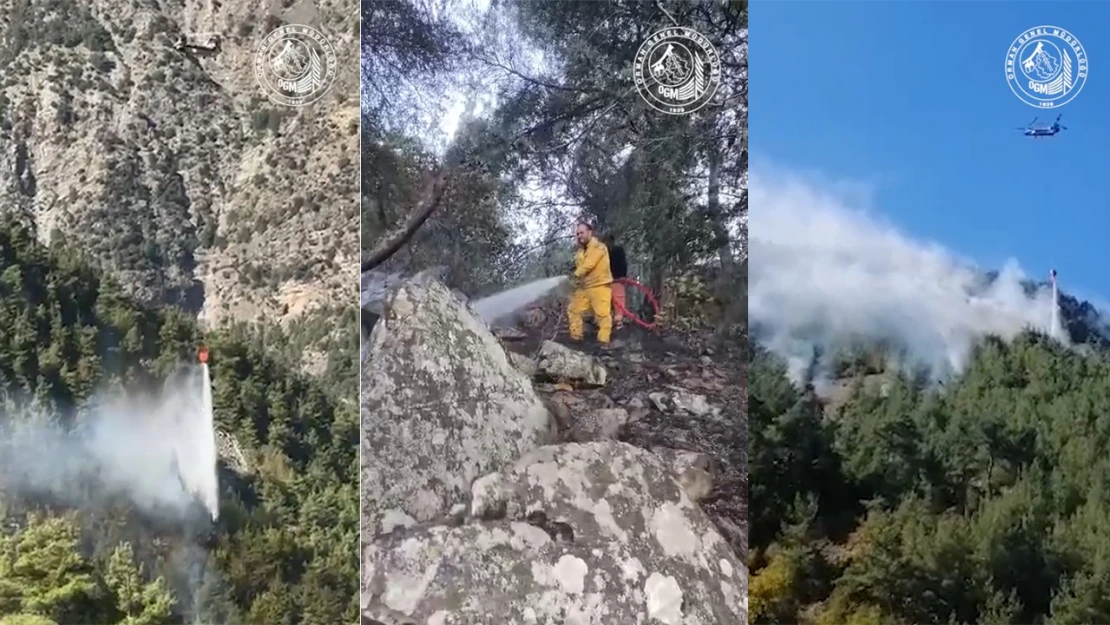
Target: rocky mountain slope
{"x":547,"y":484}
{"x":169,"y":166}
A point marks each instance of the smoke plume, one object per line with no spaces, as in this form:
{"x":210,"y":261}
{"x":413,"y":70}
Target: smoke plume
{"x":823,"y":272}
{"x":157,"y":453}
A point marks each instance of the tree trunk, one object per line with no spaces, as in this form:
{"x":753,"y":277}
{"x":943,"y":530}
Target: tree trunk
{"x":655,"y":283}
{"x":716,"y":216}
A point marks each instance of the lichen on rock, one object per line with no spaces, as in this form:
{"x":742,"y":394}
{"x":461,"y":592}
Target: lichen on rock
{"x":642,"y":551}
{"x":441,"y":406}
{"x":474,"y":513}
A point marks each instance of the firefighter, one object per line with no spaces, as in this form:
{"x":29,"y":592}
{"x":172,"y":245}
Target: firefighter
{"x":592,"y":281}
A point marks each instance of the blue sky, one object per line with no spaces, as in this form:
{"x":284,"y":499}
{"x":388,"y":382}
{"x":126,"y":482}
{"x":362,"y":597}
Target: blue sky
{"x":911,"y":97}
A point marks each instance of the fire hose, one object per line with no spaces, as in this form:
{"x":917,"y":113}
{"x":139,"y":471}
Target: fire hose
{"x":648,"y":295}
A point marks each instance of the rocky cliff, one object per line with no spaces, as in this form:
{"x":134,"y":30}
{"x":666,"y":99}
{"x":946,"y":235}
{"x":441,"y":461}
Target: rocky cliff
{"x":168,"y":165}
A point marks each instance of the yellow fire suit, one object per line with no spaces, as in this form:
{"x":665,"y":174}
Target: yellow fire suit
{"x":592,"y":292}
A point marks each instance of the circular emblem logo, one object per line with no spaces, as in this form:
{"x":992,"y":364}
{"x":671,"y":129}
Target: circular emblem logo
{"x":1046,"y":67}
{"x":295,"y":65}
{"x":677,"y":71}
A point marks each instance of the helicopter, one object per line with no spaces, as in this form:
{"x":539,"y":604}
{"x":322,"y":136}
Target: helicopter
{"x":1043,"y":130}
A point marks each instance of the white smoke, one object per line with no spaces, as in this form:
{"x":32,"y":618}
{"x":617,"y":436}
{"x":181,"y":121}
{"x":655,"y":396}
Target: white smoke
{"x":501,"y":304}
{"x":158,"y":453}
{"x":823,"y":272}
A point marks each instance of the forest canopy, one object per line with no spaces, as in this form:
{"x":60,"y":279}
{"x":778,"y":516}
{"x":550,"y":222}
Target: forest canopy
{"x":283,"y":550}
{"x":982,"y":500}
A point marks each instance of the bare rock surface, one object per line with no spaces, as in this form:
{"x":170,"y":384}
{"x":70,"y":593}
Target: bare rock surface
{"x":684,"y":390}
{"x":523,"y":363}
{"x":476,"y":511}
{"x":168,"y":166}
{"x":441,"y":406}
{"x":692,"y":469}
{"x":563,"y":363}
{"x":597,"y":533}
{"x":584,"y":417}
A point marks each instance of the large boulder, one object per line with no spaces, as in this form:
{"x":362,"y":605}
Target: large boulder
{"x":560,"y":362}
{"x":441,"y":406}
{"x":375,"y":288}
{"x":590,"y":534}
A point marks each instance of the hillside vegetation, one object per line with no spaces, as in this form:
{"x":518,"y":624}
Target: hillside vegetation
{"x":283,"y":549}
{"x":984,"y":500}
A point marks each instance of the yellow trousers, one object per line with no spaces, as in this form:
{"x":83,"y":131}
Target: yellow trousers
{"x":598,"y":299}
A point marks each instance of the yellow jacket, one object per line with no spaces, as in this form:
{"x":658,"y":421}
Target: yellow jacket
{"x":591,"y":264}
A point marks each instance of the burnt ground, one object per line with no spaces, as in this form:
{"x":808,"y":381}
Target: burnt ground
{"x":641,"y":363}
